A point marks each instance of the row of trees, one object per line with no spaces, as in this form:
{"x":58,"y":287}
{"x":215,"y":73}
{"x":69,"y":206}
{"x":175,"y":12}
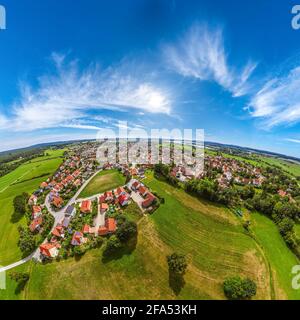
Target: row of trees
{"x":282,"y":212}
{"x":210,"y":190}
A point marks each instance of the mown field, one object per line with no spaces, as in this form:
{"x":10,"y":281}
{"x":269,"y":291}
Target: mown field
{"x":25,"y":178}
{"x":280,"y":257}
{"x":211,"y":237}
{"x":104,"y":181}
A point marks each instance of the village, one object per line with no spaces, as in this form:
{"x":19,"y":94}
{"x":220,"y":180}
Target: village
{"x":59,"y":195}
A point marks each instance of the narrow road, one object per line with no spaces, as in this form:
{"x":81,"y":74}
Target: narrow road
{"x":58,"y":216}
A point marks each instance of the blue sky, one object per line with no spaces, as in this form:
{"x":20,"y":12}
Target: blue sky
{"x":232,"y":68}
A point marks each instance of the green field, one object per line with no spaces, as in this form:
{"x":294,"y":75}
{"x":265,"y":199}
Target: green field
{"x":278,"y":254}
{"x":104,"y":181}
{"x":211,"y":237}
{"x":26,"y":178}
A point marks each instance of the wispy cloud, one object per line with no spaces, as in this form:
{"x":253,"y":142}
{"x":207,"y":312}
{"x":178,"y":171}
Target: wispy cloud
{"x":292,"y":140}
{"x":200,"y":54}
{"x":69,"y":93}
{"x":278,"y":101}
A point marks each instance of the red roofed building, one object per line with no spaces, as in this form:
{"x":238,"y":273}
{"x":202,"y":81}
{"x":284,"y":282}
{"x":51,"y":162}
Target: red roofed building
{"x":86,"y":229}
{"x":77,"y":239}
{"x":108,"y":196}
{"x":36,"y":224}
{"x":57,"y":201}
{"x":102,"y":198}
{"x":44,"y":185}
{"x":58,"y":231}
{"x":119,"y":191}
{"x":76,"y":173}
{"x":143,"y":191}
{"x":148,"y":201}
{"x":103,"y":207}
{"x":123,"y":199}
{"x":135,"y":185}
{"x":36,"y":211}
{"x":86,"y":206}
{"x":49,"y":250}
{"x":110,"y":227}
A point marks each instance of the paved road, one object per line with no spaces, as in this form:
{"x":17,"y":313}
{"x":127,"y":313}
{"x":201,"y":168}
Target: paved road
{"x":58,"y":216}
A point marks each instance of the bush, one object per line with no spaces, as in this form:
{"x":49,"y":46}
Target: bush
{"x":236,"y":288}
{"x":177,"y":263}
{"x":112,"y":246}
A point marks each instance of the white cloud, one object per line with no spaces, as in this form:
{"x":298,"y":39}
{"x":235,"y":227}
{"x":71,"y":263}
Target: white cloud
{"x":292,"y":140}
{"x":201,"y":54}
{"x":70,"y":93}
{"x":278,"y":101}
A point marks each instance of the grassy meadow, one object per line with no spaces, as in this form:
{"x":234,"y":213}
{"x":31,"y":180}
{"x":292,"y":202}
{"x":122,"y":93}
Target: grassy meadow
{"x":26,"y":178}
{"x":279,"y":256}
{"x":211,"y":237}
{"x":104,"y":181}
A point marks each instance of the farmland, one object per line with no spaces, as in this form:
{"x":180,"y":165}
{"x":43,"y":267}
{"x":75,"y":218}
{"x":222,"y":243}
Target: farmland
{"x":105,"y":180}
{"x":26,"y":178}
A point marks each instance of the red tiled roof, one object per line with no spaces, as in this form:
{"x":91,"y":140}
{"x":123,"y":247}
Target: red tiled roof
{"x":86,"y":228}
{"x":111,"y":225}
{"x":148,"y":201}
{"x":35,"y":223}
{"x":57,"y":201}
{"x":45,"y":249}
{"x":36,"y":209}
{"x":142,"y":190}
{"x":86,"y":206}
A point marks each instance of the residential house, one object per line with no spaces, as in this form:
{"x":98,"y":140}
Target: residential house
{"x":103,"y":207}
{"x":59,"y":231}
{"x":36,"y":224}
{"x":49,"y":250}
{"x":86,"y":206}
{"x":150,"y":199}
{"x":78,"y":238}
{"x":36,"y":211}
{"x":123,"y":199}
{"x":109,"y":227}
{"x":143,"y":191}
{"x":57,"y":201}
{"x":70,"y":211}
{"x":32,"y":200}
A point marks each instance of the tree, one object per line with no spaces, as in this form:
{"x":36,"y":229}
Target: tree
{"x":177,"y":263}
{"x":248,"y":192}
{"x":20,"y":203}
{"x":21,"y":278}
{"x":286,"y":225}
{"x":126,"y":231}
{"x":26,"y":242}
{"x":236,"y":288}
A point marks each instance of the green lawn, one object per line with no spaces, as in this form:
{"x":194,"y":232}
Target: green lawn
{"x":104,"y":181}
{"x":24,"y":179}
{"x":211,"y":236}
{"x":278,"y":254}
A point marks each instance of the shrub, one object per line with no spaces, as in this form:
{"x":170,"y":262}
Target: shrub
{"x":236,"y":288}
